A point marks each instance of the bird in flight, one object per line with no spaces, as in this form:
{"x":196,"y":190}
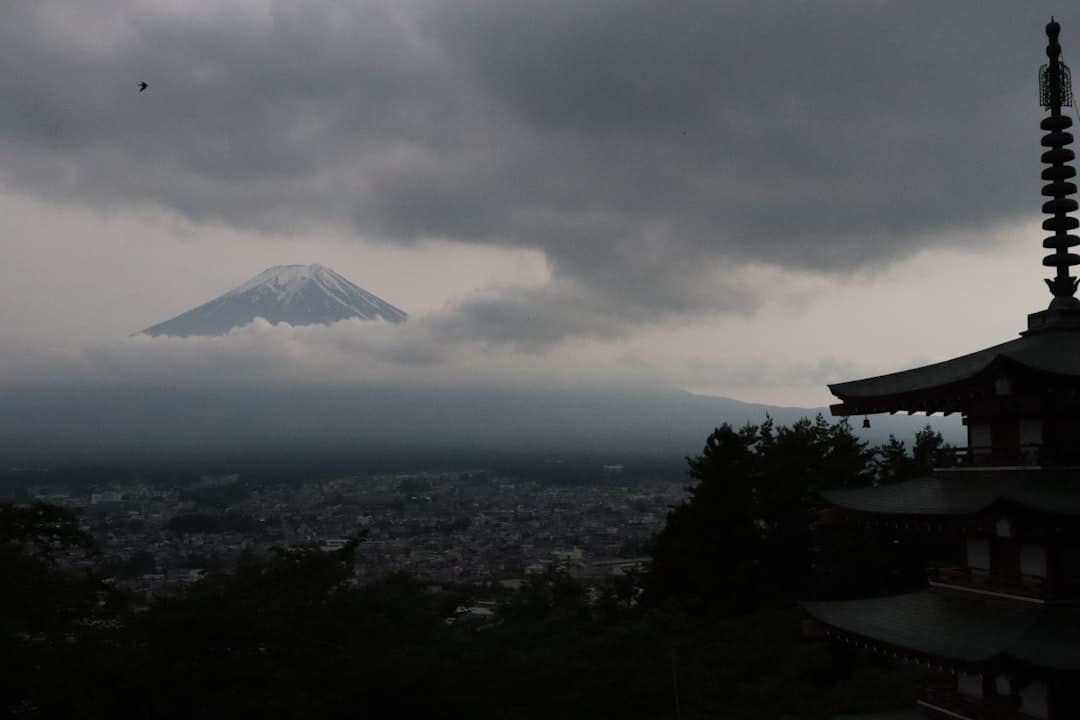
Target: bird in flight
{"x":143,"y":86}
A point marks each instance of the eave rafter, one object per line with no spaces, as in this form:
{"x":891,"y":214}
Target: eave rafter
{"x":959,"y":396}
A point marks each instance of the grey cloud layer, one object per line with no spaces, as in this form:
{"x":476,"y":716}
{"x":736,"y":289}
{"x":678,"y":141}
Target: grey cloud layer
{"x":426,"y":353}
{"x":644,"y":147}
{"x":350,"y":353}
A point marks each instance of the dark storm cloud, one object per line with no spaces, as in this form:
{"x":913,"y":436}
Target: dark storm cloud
{"x":533,"y":318}
{"x":646,"y":148}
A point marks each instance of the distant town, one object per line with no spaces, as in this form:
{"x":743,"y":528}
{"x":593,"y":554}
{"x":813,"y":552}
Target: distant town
{"x":470,"y":527}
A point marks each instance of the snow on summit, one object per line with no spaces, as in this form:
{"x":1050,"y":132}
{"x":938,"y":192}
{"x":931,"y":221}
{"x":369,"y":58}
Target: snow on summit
{"x":294,"y":294}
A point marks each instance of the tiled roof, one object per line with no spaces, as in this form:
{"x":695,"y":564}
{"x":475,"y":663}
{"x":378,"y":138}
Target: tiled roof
{"x":1051,"y":352}
{"x":963,"y":627}
{"x":964,"y":492}
{"x":911,"y":714}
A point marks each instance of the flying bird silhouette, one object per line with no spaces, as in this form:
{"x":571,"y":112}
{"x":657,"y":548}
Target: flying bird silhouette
{"x":143,"y":86}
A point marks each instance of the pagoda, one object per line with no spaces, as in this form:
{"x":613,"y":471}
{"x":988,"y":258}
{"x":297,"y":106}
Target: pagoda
{"x":998,"y":624}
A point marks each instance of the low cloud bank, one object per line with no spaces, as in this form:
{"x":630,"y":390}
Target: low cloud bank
{"x":361,"y":386}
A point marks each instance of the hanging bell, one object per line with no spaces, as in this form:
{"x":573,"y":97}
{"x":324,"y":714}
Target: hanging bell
{"x":866,"y":422}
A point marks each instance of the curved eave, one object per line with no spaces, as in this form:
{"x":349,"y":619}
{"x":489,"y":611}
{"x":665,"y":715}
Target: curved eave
{"x":921,"y":378}
{"x":941,"y":387}
{"x":906,"y":714}
{"x":967,"y":493}
{"x":960,"y":628}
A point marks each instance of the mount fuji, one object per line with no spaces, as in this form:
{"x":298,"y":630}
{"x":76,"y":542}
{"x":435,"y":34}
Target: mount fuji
{"x":294,"y":294}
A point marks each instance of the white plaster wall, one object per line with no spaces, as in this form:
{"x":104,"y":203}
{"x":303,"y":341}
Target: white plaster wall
{"x":1031,"y":431}
{"x":1033,"y":560}
{"x":978,"y":553}
{"x":979,"y":435}
{"x":1033,"y":700}
{"x":970,"y":684}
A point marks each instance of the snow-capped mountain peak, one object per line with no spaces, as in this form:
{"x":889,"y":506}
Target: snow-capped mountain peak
{"x":295,"y":294}
{"x":286,"y":280}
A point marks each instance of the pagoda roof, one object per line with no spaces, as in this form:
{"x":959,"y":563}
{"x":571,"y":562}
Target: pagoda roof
{"x":967,"y":492}
{"x":1054,"y":353}
{"x":963,"y":627}
{"x":906,"y":714}
{"x":1051,"y":343}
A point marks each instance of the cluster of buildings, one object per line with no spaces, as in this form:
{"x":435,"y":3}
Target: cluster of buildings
{"x":441,"y":527}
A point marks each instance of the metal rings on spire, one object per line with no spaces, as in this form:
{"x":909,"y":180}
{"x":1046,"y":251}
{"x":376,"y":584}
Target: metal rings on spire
{"x":1055,"y":90}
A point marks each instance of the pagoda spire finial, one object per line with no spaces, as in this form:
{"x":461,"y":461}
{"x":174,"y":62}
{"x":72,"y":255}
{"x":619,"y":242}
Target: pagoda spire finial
{"x":1055,"y":91}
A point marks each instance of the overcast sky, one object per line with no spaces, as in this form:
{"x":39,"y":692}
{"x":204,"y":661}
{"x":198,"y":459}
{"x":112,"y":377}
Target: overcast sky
{"x":748,"y":199}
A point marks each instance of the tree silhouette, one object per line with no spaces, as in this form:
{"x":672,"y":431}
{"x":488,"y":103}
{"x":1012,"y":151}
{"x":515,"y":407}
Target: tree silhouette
{"x":743,"y":538}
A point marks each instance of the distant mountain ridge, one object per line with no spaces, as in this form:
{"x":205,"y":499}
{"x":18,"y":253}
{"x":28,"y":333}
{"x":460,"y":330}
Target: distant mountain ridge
{"x":294,"y":294}
{"x":102,"y":423}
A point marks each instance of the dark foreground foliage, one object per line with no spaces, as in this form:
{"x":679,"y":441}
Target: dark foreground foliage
{"x":283,"y":640}
{"x":291,"y":636}
{"x":756,"y":533}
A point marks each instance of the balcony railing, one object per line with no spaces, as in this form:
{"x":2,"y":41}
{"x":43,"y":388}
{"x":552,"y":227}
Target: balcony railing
{"x":946,"y":702}
{"x":1029,"y":586}
{"x":1017,"y":455}
{"x":1065,"y":589}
